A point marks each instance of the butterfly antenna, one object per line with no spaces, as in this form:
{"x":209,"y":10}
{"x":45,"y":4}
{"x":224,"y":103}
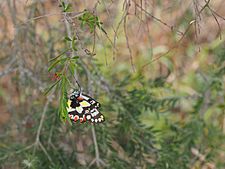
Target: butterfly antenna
{"x":78,"y":86}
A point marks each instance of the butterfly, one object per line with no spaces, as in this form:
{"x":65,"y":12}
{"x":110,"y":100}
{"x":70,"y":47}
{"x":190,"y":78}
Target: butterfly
{"x":83,"y":108}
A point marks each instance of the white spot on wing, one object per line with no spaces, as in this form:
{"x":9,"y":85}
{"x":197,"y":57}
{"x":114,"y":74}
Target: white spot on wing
{"x":85,"y":97}
{"x":94,"y":112}
{"x":70,"y":109}
{"x":79,"y":109}
{"x":88,"y":117}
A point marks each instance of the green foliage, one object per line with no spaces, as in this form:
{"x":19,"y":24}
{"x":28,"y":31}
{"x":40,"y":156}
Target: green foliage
{"x":63,"y":99}
{"x":91,"y":21}
{"x":66,"y":6}
{"x":153,"y":120}
{"x":64,"y":62}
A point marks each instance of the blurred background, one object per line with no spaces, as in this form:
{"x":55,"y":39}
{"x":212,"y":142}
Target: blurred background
{"x":157,"y":68}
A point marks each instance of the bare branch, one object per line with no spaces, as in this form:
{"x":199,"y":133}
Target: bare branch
{"x":96,"y":146}
{"x":128,"y":44}
{"x":37,"y":141}
{"x":42,"y":120}
{"x":206,"y":5}
{"x":74,"y":15}
{"x":45,"y":151}
{"x":7,"y":71}
{"x":172,"y":28}
{"x":116,"y":33}
{"x":172,"y":48}
{"x":97,"y":158}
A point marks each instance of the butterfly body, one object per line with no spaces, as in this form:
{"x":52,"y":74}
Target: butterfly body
{"x":84,"y":108}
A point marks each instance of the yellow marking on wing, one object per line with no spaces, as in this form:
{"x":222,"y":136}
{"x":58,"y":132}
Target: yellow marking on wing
{"x":69,"y":108}
{"x":79,"y":109}
{"x":84,"y":104}
{"x":68,"y":103}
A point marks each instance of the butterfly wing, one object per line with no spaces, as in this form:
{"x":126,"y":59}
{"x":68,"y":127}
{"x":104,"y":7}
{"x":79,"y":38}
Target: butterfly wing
{"x":84,"y":108}
{"x":93,"y":103}
{"x":75,"y":111}
{"x":95,"y":116}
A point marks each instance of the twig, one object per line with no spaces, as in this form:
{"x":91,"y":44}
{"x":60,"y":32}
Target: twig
{"x":96,"y":146}
{"x":97,"y":158}
{"x":220,"y":16}
{"x":69,"y":32}
{"x":128,"y":44}
{"x":214,"y":16}
{"x":206,"y":5}
{"x":16,"y":152}
{"x":37,"y":141}
{"x":7,"y":71}
{"x":26,"y":148}
{"x":220,"y":35}
{"x":108,"y":13}
{"x":172,"y":28}
{"x":76,"y":14}
{"x":42,"y":120}
{"x":51,"y":132}
{"x":116,"y":33}
{"x":45,"y":151}
{"x":174,"y":47}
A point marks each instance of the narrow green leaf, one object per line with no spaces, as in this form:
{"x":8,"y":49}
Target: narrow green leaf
{"x":72,"y":67}
{"x":68,"y":38}
{"x":67,"y":7}
{"x":74,"y":44}
{"x":59,"y":55}
{"x":63,"y":4}
{"x":75,"y":57}
{"x":63,"y":99}
{"x":103,"y":30}
{"x":51,"y":87}
{"x":55,"y":63}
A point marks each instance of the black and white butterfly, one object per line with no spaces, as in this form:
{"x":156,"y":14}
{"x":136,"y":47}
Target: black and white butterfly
{"x":82,"y":107}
